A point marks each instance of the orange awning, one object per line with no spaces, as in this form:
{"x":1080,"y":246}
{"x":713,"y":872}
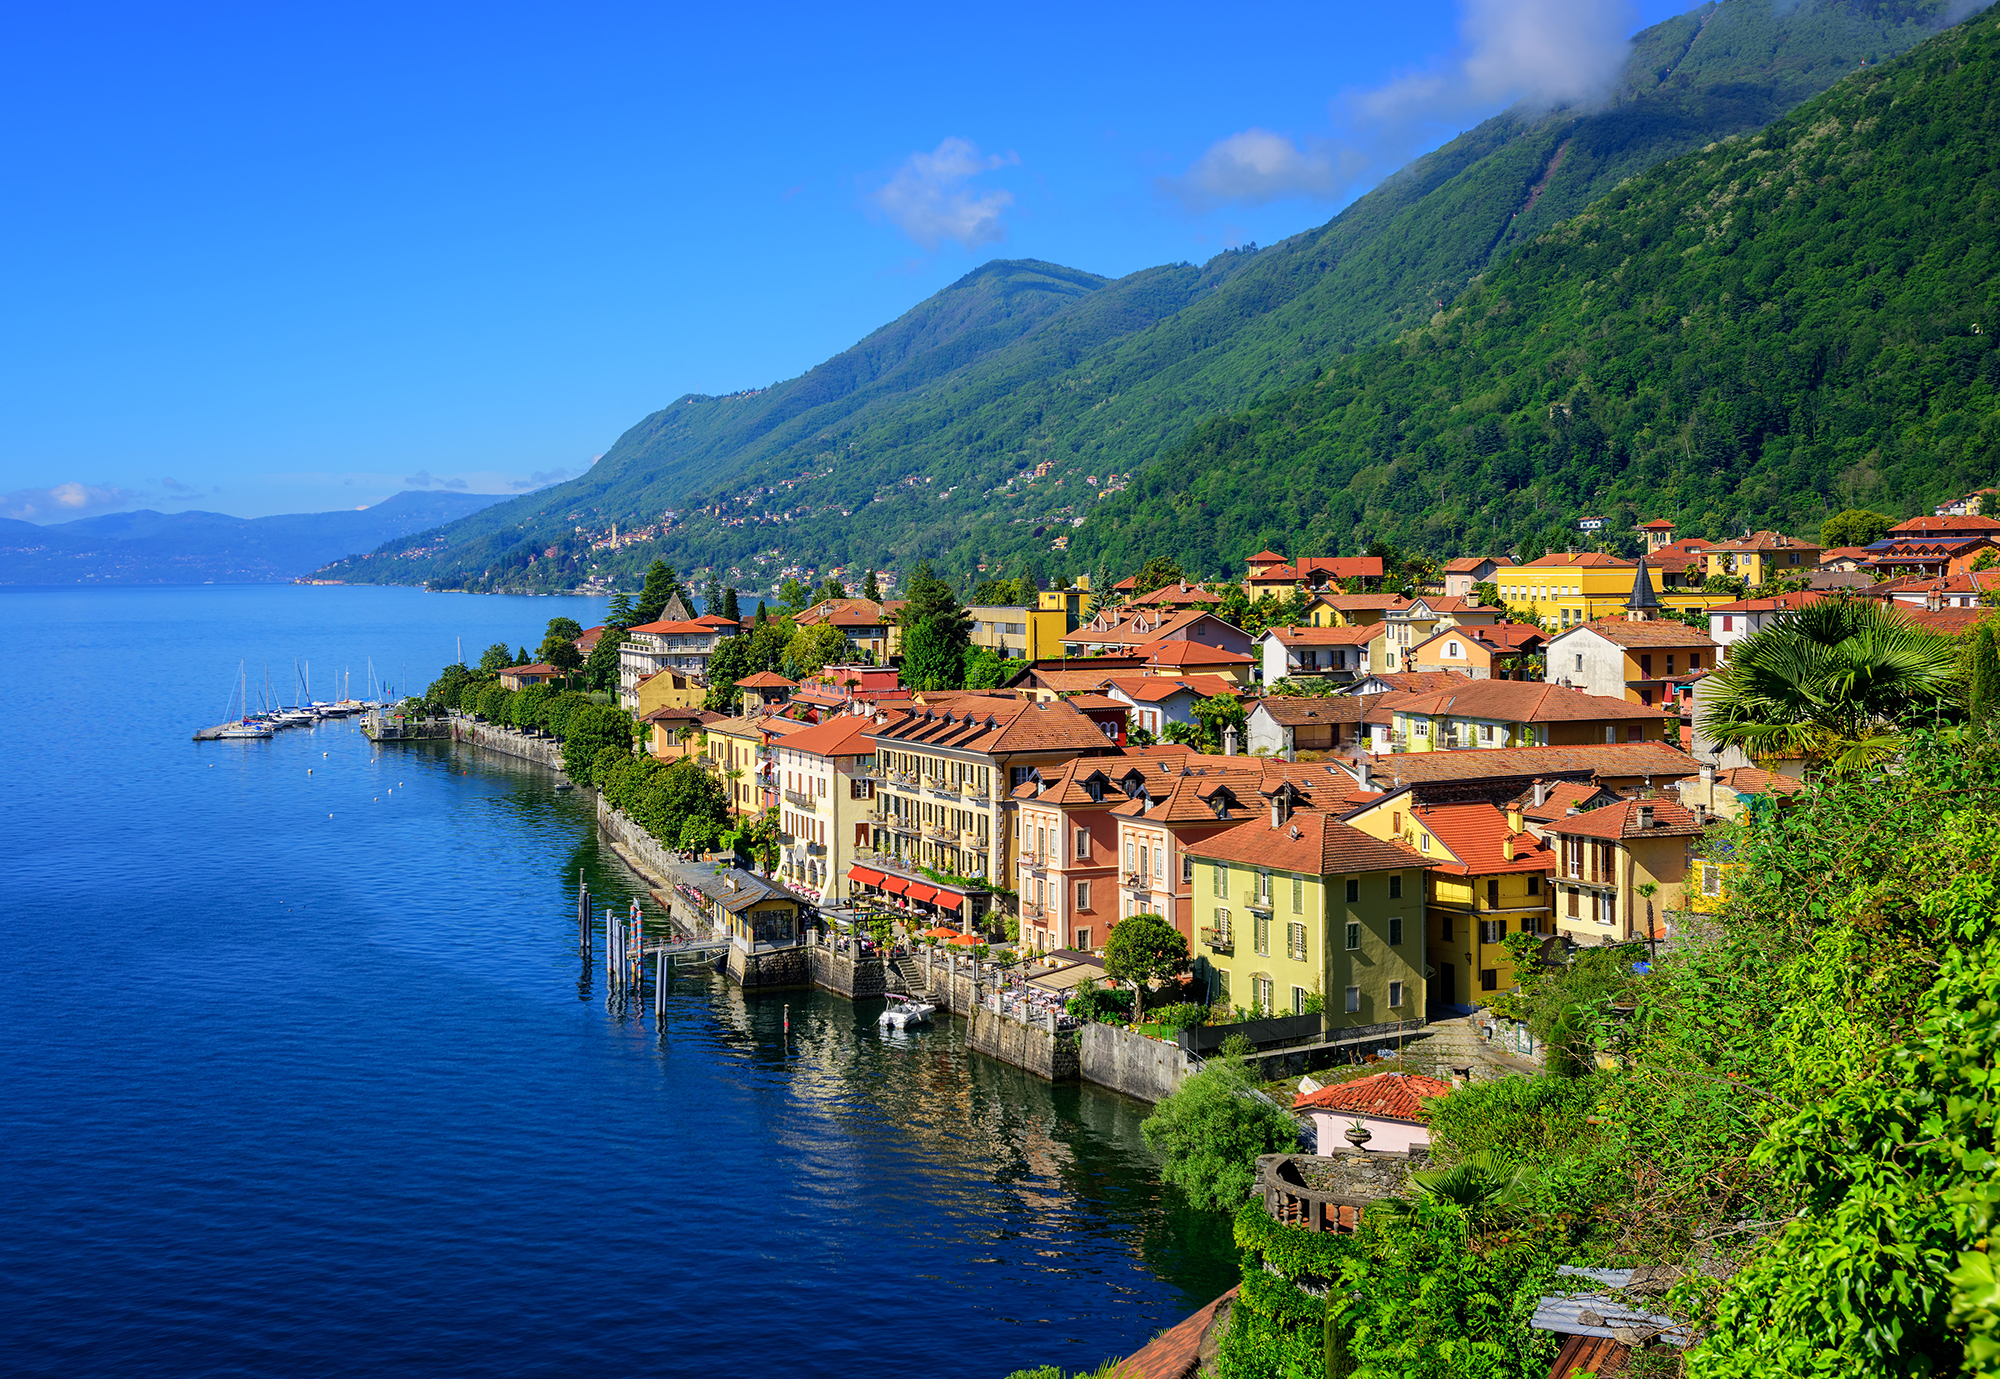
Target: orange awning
{"x":864,"y":876}
{"x":919,"y":891}
{"x":895,"y":885}
{"x":949,"y":901}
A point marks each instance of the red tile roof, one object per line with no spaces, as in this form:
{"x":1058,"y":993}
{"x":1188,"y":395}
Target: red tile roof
{"x":1771,"y":541}
{"x":1522,"y":701}
{"x":1325,"y":636}
{"x":1752,"y":780}
{"x":1769,"y":604}
{"x":1317,"y":844}
{"x":1151,"y":689}
{"x":993,"y":723}
{"x":1297,"y":710}
{"x":1467,"y":563}
{"x":1475,"y":833}
{"x":844,"y":735}
{"x":1619,"y":632}
{"x":1657,"y":524}
{"x":1572,"y":560}
{"x":765,"y":679}
{"x":1388,"y":1096}
{"x":1192,"y":653}
{"x":1266,"y":558}
{"x":1560,"y":797}
{"x":1621,"y":820}
{"x":1942,"y":526}
{"x":1608,"y":761}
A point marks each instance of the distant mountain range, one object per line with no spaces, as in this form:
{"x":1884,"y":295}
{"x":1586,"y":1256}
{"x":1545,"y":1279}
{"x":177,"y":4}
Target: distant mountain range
{"x":209,"y":548}
{"x":992,"y":420}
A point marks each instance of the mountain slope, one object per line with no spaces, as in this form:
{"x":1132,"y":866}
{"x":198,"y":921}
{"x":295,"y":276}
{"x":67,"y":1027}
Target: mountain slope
{"x":923,"y":439}
{"x":207,"y":547}
{"x":1770,"y":330}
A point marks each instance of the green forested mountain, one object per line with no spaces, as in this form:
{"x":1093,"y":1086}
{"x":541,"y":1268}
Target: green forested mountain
{"x":1780,"y":326}
{"x":922,"y":440}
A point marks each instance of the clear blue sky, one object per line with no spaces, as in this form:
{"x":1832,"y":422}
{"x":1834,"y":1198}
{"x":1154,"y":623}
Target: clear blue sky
{"x":281,"y":258}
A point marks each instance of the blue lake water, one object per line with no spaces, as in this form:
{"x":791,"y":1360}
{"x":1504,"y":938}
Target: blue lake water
{"x":301,"y":1072}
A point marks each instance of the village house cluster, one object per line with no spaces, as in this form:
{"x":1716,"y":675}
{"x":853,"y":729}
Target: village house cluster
{"x":1418,"y":775}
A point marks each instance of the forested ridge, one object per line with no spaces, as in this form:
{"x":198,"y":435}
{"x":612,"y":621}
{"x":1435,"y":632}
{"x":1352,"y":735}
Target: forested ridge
{"x":922,"y":440}
{"x":1775,"y":328}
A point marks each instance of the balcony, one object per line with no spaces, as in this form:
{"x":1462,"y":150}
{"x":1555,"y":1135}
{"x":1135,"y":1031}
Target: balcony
{"x":1137,"y":882}
{"x":941,"y":833}
{"x":1218,"y":940}
{"x":1035,"y":861}
{"x":942,"y":786}
{"x":799,"y":801}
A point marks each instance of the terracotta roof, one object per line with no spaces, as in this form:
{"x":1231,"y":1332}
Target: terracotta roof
{"x":1176,"y":1352}
{"x":844,"y":735}
{"x":1417,"y":681}
{"x":1466,"y":563}
{"x":1151,"y":689}
{"x":1342,"y":566}
{"x":538,"y":668}
{"x":1560,"y":797}
{"x":1296,"y":710}
{"x":990,"y":723}
{"x":1522,"y":701}
{"x":1610,"y":760}
{"x":1474,"y":833}
{"x":1358,"y":603}
{"x":1325,"y":636}
{"x":1619,"y":632}
{"x":1266,"y":558}
{"x":1773,"y":541}
{"x":1170,"y":787}
{"x":1502,"y":636}
{"x":1100,"y":702}
{"x":1844,"y":553}
{"x":1766,"y":605}
{"x":1579,"y":560}
{"x":1940,"y":526}
{"x":717,"y":620}
{"x":1946,"y":622}
{"x":848,"y":612}
{"x":1657,"y":524}
{"x":674,"y":713}
{"x":1387,"y":1096}
{"x":1177,"y":594}
{"x":765,"y":679}
{"x":1621,"y":820}
{"x":684,"y":629}
{"x":1317,"y":844}
{"x":1192,"y":653}
{"x":1753,"y":780}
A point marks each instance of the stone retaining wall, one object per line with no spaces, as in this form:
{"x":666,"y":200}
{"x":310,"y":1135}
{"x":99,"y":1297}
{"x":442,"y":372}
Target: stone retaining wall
{"x":491,"y":737}
{"x":770,"y":971}
{"x":1130,"y":1063}
{"x":1050,"y":1056}
{"x":858,"y":979}
{"x":656,"y":865}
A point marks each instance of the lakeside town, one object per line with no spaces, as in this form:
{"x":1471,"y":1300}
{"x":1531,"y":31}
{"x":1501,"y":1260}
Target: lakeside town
{"x":1349,"y":831}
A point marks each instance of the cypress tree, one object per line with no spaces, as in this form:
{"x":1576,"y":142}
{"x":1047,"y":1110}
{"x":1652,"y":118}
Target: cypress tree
{"x":729,"y":607}
{"x":872,"y":591}
{"x":1985,"y":678}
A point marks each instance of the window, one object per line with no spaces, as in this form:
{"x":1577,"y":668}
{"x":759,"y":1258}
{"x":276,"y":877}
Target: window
{"x":1571,"y":893}
{"x":1492,"y":930}
{"x":1295,"y":942}
{"x":1485,"y":732}
{"x":1263,"y":888}
{"x":1493,"y":895}
{"x":1395,"y":931}
{"x":1711,"y":879}
{"x":1635,"y":733}
{"x":1670,"y":665}
{"x":1353,"y":937}
{"x":1489,"y":979}
{"x":1083,"y":895}
{"x":1353,"y":1001}
{"x":1222,"y":880}
{"x":1128,"y":853}
{"x":1187,"y":868}
{"x":1018,"y":775}
{"x":1423,"y":727}
{"x":1353,"y":889}
{"x":1694,"y":661}
{"x":1534,"y":885}
{"x":1424,"y":842}
{"x":1298,"y":894}
{"x":1453,"y":649}
{"x":1083,"y":845}
{"x":1579,"y":663}
{"x":1395,"y":994}
{"x":1444,"y":927}
{"x":1728,"y":623}
{"x":1262,"y":985}
{"x":1260,"y":936}
{"x":1159,"y":861}
{"x":1298,"y":1000}
{"x":1396,"y":887}
{"x":1219,"y":987}
{"x":1082,"y":940}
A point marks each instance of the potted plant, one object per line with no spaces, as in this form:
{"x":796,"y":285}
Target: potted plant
{"x":1358,"y":1134}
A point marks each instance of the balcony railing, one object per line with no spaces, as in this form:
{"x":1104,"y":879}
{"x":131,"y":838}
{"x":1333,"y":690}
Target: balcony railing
{"x":793,"y":797}
{"x":943,"y":833}
{"x":1137,"y":882}
{"x":1218,"y":940}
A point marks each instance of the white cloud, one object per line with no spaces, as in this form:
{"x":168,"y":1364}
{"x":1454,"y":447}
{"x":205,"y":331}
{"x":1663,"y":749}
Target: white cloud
{"x":65,"y":502}
{"x":1257,"y":166}
{"x":928,"y":200}
{"x":1537,"y":53}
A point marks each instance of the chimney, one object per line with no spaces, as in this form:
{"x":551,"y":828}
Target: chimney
{"x":1645,"y":816}
{"x":1278,"y":811}
{"x":1541,"y":793}
{"x":1507,"y":848}
{"x":1515,"y":823}
{"x":1362,"y":761}
{"x":1708,"y":778}
{"x":1229,"y":741}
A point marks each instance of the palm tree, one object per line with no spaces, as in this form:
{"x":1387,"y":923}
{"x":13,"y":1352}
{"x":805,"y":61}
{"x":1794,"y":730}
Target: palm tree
{"x":1831,"y":684}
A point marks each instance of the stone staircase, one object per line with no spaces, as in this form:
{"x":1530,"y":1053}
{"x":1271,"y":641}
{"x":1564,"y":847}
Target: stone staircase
{"x":905,"y":974}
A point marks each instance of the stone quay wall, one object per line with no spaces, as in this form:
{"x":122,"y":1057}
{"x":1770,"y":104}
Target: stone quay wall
{"x":858,"y":979}
{"x":1048,"y":1055}
{"x":1146,"y":1069}
{"x":769,"y":969}
{"x":491,"y":737}
{"x":641,"y":851}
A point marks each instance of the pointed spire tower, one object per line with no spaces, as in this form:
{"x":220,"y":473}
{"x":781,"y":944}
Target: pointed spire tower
{"x":1644,"y":604}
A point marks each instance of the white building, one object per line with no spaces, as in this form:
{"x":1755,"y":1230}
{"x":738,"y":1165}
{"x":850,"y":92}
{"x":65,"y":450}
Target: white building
{"x":653,"y":647}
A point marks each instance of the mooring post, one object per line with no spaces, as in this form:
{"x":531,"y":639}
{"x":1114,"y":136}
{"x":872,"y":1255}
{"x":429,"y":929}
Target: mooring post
{"x":660,"y":984}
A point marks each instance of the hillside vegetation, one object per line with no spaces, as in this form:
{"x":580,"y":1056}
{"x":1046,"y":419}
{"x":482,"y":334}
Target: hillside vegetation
{"x":922,"y":440}
{"x":1773,"y":329}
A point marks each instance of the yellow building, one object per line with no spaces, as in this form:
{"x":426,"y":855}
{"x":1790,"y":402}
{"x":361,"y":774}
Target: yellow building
{"x":1520,"y":713}
{"x":1292,"y":907}
{"x":1489,"y":879}
{"x":1020,"y":634}
{"x":668,"y":689}
{"x":1762,"y":556}
{"x":1566,"y":588}
{"x":739,"y":751}
{"x":1621,"y":869}
{"x":1073,"y":602}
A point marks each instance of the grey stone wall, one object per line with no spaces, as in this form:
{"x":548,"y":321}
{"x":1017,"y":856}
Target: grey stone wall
{"x":1050,"y":1056}
{"x":1130,"y":1063}
{"x":775,"y":970}
{"x":858,"y":979}
{"x":491,"y":737}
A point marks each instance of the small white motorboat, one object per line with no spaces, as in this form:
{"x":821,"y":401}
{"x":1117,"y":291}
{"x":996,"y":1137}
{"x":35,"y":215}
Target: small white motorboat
{"x":905,"y":1011}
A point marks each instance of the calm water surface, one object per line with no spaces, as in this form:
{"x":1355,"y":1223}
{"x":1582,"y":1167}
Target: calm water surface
{"x":301,"y":1072}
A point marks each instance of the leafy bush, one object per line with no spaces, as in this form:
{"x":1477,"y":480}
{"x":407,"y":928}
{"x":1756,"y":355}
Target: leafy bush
{"x":1187,"y":1015}
{"x":1211,"y":1130}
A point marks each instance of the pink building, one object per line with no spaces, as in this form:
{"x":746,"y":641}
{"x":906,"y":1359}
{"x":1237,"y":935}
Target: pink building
{"x":1390,"y":1106}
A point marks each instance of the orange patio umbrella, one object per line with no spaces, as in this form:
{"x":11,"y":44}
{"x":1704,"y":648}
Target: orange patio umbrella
{"x":941,"y":932}
{"x":968,"y":940}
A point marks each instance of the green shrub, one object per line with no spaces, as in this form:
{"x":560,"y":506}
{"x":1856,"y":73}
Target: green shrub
{"x":1211,"y":1130}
